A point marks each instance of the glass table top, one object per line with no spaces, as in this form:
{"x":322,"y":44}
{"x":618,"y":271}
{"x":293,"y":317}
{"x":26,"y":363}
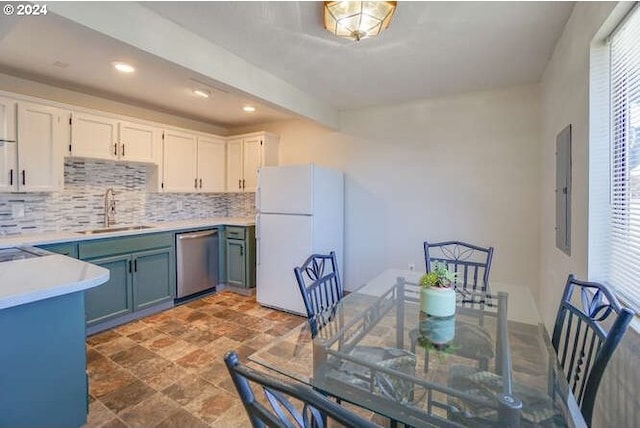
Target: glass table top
{"x":379,"y":351}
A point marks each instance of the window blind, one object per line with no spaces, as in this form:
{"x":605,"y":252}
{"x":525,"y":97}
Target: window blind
{"x":624,"y":263}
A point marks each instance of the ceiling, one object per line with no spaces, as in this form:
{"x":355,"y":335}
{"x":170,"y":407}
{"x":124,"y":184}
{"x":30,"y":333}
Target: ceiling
{"x":431,"y":49}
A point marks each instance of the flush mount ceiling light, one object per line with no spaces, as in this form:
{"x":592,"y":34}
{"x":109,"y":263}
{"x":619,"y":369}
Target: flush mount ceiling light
{"x":123,"y":67}
{"x":204,"y":93}
{"x":249,"y":109}
{"x":358,"y":20}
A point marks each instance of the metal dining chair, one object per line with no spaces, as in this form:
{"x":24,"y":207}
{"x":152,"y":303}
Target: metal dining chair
{"x":589,"y":326}
{"x":321,"y":288}
{"x":286,"y":404}
{"x":319,"y":282}
{"x":471,"y":263}
{"x":584,"y":352}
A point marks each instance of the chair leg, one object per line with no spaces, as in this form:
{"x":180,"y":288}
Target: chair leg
{"x":484,"y":364}
{"x":426,"y":361}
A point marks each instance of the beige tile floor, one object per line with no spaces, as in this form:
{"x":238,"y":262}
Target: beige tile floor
{"x":167,"y":370}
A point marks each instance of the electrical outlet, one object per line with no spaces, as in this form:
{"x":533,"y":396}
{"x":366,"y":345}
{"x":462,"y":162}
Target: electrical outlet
{"x":412,"y":266}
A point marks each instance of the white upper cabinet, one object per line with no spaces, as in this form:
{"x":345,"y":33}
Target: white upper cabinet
{"x":8,"y":154}
{"x":101,"y":137}
{"x":41,"y":139}
{"x":138,"y":142}
{"x":252,"y":161}
{"x":234,"y":165}
{"x":94,"y":136}
{"x":179,"y":162}
{"x":7,"y":120}
{"x":193,"y":163}
{"x":245,"y":155}
{"x":211,"y":164}
{"x":33,"y":138}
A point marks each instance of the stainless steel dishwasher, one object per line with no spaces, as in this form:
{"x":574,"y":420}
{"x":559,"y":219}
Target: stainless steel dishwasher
{"x":197,"y":261}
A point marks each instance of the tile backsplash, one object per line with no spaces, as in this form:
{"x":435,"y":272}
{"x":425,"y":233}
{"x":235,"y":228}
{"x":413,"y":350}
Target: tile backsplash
{"x":81,"y":204}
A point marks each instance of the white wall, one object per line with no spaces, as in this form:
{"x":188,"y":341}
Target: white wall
{"x":565,"y":100}
{"x":464,"y":167}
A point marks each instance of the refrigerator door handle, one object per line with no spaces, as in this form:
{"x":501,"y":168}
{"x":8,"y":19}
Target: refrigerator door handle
{"x":258,"y":249}
{"x":258,"y":198}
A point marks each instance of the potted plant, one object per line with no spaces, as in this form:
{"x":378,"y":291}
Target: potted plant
{"x":437,"y":296}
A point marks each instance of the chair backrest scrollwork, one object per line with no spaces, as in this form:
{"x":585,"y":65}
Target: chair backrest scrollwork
{"x":589,"y":326}
{"x":470,"y":262}
{"x":319,"y":283}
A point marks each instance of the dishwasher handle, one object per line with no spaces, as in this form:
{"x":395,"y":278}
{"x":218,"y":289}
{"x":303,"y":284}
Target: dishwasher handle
{"x":197,"y":235}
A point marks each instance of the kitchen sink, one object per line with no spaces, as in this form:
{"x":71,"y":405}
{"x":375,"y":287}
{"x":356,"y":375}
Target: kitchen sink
{"x":113,"y":229}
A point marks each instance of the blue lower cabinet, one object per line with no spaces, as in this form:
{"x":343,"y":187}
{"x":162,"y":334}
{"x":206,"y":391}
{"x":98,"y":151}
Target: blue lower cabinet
{"x":236,"y":262}
{"x":43,"y":382}
{"x":143,"y":275}
{"x":114,"y":298}
{"x":240,"y":256}
{"x":69,"y":249}
{"x":153,"y":278}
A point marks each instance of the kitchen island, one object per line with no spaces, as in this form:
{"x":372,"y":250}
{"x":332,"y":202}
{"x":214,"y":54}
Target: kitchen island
{"x":42,"y":320}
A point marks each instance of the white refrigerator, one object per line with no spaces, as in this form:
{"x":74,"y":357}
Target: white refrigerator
{"x":300,"y":212}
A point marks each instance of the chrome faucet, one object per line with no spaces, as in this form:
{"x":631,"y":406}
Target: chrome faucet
{"x":109,"y":208}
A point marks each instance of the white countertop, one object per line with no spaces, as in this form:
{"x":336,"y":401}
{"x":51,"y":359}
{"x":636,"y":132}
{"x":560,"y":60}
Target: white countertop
{"x":39,"y":278}
{"x":56,"y":237}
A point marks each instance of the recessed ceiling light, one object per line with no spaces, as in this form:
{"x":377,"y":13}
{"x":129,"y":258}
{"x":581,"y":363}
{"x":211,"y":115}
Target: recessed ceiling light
{"x":249,"y":109}
{"x":204,"y":93}
{"x":123,"y":67}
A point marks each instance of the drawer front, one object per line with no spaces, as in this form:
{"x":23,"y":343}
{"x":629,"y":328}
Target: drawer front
{"x":127,"y":244}
{"x":69,"y":249}
{"x":235,"y":232}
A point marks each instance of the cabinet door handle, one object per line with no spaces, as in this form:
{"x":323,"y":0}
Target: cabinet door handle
{"x":135,"y":265}
{"x":24,"y":177}
{"x":241,"y":251}
{"x":195,"y":183}
{"x":243,"y":186}
{"x":239,"y":184}
{"x":115,"y":149}
{"x":11,"y":177}
{"x":201,"y":183}
{"x":122,"y":149}
{"x":129,"y":266}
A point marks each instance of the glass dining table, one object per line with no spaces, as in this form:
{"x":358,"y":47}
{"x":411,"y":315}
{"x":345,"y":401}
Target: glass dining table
{"x":491,"y":364}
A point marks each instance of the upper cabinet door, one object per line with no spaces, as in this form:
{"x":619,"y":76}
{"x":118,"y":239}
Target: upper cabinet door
{"x":211,"y":164}
{"x":138,"y":143}
{"x":234,"y":165}
{"x":8,"y":155}
{"x":94,"y":136}
{"x":252,"y":155}
{"x":41,"y":140}
{"x":179,"y":163}
{"x":8,"y":167}
{"x":7,"y":120}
